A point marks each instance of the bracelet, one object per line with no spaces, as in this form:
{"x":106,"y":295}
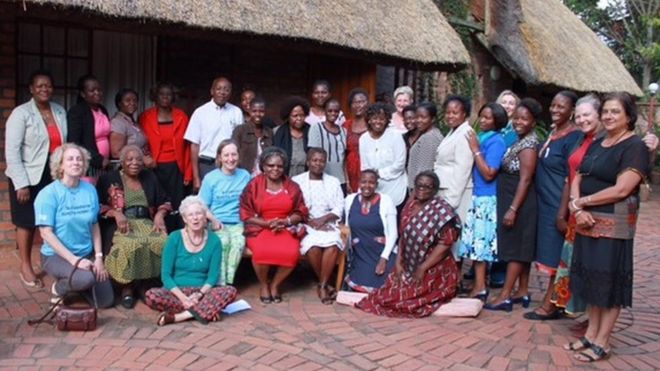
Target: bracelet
{"x":578,"y":212}
{"x":513,"y":209}
{"x":574,"y":206}
{"x":476,"y":154}
{"x":288,"y":220}
{"x":99,"y":255}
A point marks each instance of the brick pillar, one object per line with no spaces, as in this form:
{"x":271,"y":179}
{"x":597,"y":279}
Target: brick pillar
{"x":7,"y":103}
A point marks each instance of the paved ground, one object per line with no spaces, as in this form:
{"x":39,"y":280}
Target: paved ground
{"x":302,"y":334}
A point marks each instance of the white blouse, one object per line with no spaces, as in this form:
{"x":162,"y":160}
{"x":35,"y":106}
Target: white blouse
{"x":386,"y":155}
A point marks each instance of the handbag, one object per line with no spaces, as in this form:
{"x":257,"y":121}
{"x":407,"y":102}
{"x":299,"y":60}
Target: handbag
{"x":70,"y":316}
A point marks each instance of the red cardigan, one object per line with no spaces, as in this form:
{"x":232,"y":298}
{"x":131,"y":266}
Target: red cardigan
{"x":251,"y":202}
{"x":149,"y":123}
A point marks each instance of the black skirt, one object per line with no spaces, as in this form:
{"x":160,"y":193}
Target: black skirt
{"x":602,"y":271}
{"x":519,"y":242}
{"x":22,"y":215}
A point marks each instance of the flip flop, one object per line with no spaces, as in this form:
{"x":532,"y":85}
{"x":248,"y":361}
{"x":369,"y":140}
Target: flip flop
{"x":165,"y":319}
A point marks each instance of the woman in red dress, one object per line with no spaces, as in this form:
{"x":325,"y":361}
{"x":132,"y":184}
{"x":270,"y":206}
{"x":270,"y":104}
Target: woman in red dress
{"x":272,"y":208}
{"x":358,"y":99}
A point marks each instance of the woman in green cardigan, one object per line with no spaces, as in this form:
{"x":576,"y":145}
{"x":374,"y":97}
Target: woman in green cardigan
{"x":190,"y":271}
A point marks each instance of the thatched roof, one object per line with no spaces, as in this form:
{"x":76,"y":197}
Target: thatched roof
{"x":544,"y":43}
{"x":414,"y":32}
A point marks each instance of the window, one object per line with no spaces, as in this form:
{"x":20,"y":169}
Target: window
{"x":62,"y":50}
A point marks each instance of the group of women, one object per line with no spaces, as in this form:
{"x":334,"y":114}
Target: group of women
{"x":416,"y":202}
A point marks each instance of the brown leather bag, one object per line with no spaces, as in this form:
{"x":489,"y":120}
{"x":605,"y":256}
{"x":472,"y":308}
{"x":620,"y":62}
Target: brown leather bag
{"x":70,"y":316}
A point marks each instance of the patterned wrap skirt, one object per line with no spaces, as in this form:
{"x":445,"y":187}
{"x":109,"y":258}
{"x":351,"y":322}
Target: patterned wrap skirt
{"x":479,"y":234}
{"x":208,"y":309}
{"x":562,"y":296}
{"x":404,"y":297}
{"x":135,"y":255}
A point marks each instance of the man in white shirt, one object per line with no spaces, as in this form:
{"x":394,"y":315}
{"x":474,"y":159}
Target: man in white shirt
{"x":209,"y":125}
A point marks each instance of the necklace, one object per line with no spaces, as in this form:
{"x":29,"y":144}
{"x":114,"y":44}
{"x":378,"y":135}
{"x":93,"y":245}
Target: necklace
{"x":618,"y":139}
{"x":190,"y":240}
{"x":365,"y":205}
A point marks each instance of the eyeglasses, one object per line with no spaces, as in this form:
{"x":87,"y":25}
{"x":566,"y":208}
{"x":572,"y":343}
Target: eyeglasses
{"x":274,"y":166}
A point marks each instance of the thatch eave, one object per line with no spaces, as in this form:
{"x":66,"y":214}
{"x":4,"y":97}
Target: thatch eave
{"x":545,"y":44}
{"x":369,"y":30}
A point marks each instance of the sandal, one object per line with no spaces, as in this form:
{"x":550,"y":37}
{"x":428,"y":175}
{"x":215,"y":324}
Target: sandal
{"x":165,"y":319}
{"x":579,"y":344}
{"x":598,"y":354}
{"x":325,"y":294}
{"x":266,"y":299}
{"x":277,"y":299}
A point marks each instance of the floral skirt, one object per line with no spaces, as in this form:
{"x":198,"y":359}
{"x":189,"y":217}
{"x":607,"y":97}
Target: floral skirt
{"x":561,"y":294}
{"x":479,"y":234}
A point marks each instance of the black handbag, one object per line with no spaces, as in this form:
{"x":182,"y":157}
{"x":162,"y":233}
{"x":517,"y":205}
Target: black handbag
{"x":68,"y":315}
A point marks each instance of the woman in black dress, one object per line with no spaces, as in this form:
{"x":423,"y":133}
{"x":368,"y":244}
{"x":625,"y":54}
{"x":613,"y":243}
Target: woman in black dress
{"x":516,"y":207}
{"x":605,"y":203}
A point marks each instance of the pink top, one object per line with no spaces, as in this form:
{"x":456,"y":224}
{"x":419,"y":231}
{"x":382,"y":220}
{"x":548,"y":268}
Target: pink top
{"x":102,"y":129}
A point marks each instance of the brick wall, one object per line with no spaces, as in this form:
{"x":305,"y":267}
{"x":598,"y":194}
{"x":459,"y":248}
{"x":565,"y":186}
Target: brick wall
{"x":7,"y":103}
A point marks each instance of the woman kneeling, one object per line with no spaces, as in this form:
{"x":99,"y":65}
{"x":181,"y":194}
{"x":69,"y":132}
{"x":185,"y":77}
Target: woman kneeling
{"x":190,"y":271}
{"x":426,"y":275}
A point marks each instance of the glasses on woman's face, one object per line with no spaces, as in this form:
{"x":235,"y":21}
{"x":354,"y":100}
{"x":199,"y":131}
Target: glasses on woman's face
{"x":423,"y":187}
{"x":272,"y":166}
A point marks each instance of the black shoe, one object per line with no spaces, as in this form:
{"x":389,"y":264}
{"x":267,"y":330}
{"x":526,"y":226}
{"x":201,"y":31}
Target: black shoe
{"x":128,"y":301}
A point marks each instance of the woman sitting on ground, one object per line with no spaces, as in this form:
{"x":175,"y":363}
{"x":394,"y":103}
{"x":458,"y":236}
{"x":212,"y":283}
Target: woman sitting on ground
{"x":66,"y":212}
{"x":272,"y":206}
{"x":325,"y":201}
{"x":190,"y":270}
{"x":371,"y":217}
{"x":221,"y":190}
{"x":135,"y":205}
{"x":426,"y":274}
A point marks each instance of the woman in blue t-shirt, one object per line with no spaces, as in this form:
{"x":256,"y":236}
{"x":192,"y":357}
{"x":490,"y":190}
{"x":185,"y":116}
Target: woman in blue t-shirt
{"x":66,"y":212}
{"x":221,"y":190}
{"x":479,"y":236}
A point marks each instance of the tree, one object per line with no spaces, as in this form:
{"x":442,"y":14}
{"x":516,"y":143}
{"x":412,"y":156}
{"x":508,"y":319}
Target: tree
{"x":630,"y":29}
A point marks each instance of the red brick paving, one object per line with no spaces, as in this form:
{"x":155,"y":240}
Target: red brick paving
{"x":303,"y":334}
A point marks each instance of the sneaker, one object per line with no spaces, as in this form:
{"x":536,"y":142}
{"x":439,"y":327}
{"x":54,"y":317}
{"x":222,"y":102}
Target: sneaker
{"x":55,"y":298}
